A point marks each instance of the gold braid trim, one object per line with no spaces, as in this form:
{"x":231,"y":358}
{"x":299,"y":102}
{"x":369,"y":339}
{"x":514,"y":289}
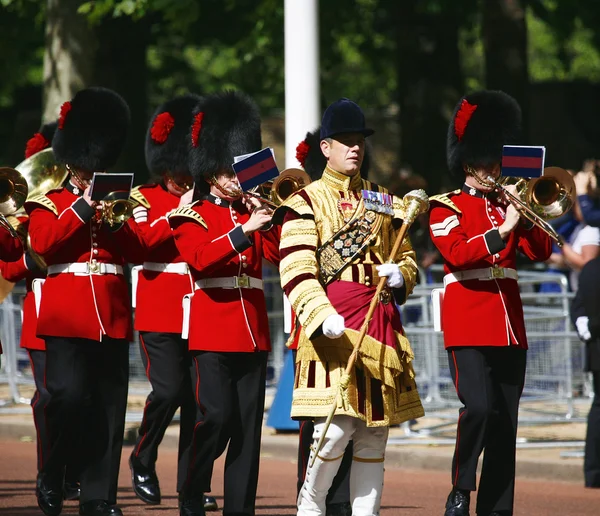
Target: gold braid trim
{"x":42,"y":200}
{"x":139,"y":198}
{"x":189,"y":213}
{"x":445,"y":200}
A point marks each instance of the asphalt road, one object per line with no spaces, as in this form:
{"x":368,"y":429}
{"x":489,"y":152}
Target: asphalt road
{"x":406,"y":492}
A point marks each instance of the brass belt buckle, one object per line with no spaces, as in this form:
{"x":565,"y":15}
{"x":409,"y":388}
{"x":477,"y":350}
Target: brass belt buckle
{"x":242,"y":281}
{"x":385,"y":297}
{"x":94,"y":267}
{"x":497,"y":273}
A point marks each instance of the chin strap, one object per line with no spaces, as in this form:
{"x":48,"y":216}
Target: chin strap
{"x":233,"y":194}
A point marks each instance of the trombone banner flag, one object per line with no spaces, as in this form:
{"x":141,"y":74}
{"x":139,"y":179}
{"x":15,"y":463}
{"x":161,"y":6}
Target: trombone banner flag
{"x":255,"y":169}
{"x":523,"y":161}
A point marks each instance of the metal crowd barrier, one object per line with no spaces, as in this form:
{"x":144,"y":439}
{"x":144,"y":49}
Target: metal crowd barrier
{"x":554,"y":379}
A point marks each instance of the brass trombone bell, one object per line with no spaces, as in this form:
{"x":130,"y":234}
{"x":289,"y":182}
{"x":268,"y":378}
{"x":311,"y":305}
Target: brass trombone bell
{"x":13,"y":193}
{"x":276,"y":192}
{"x":542,"y":198}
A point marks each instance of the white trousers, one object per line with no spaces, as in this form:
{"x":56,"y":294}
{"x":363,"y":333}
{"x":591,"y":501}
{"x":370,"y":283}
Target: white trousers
{"x":366,"y":474}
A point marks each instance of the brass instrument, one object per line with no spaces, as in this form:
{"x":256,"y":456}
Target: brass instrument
{"x":42,"y":173}
{"x":275,"y":192}
{"x":542,"y":198}
{"x":13,"y":192}
{"x":115,"y":211}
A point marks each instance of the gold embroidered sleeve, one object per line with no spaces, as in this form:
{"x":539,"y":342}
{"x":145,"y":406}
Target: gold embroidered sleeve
{"x":299,"y":269}
{"x":138,"y":198}
{"x":407,"y":261}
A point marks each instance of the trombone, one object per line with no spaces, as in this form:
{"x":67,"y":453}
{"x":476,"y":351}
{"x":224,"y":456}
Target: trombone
{"x":542,"y":198}
{"x":276,"y":191}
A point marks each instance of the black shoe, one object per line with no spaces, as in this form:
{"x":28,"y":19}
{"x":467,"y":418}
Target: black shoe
{"x":338,"y":509}
{"x":458,"y":503}
{"x":210,"y":503}
{"x":71,"y":490}
{"x":99,"y":508}
{"x":50,"y":499}
{"x":192,"y":507}
{"x":144,"y":482}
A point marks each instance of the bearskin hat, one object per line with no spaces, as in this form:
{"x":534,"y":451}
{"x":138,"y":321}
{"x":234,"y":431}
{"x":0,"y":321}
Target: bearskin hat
{"x":481,"y":124}
{"x":309,"y":155}
{"x":167,"y":144}
{"x":224,"y":125}
{"x":40,"y":140}
{"x":92,"y":129}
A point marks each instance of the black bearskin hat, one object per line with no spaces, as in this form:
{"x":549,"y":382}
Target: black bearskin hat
{"x":224,"y":125}
{"x":92,"y":129}
{"x":40,"y":140}
{"x":167,"y":144}
{"x":309,"y":155}
{"x":482,"y":123}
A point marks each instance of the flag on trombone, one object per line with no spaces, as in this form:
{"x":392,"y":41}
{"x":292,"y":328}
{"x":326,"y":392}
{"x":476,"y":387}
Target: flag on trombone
{"x":256,"y":168}
{"x":523,"y":161}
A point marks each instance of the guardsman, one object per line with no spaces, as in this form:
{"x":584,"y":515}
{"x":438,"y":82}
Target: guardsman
{"x":222,"y":237}
{"x":478,"y":236}
{"x":333,"y":249}
{"x":159,"y":289}
{"x":84,"y":310}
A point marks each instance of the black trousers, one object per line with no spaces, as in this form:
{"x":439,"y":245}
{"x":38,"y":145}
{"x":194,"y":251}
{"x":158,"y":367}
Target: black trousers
{"x":87,"y":381}
{"x":339,"y":492}
{"x":167,"y":362}
{"x":230,"y":399}
{"x":489,"y":382}
{"x":39,"y":404}
{"x":591,"y":461}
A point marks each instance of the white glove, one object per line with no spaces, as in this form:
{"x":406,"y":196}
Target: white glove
{"x":334,"y":326}
{"x":393,"y":274}
{"x":583,"y":329}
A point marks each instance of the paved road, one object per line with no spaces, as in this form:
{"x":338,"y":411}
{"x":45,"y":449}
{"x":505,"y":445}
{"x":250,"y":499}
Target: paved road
{"x":406,"y":493}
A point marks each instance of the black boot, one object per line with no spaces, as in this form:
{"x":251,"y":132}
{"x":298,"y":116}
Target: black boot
{"x":458,"y":503}
{"x":210,"y":503}
{"x":144,"y":482}
{"x":71,"y":490}
{"x":192,"y":507}
{"x":99,"y":508}
{"x":49,"y":497}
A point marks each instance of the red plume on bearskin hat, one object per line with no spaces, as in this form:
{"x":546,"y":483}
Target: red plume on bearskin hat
{"x":92,"y":129}
{"x":224,"y":125}
{"x":482,"y":123}
{"x":309,"y":155}
{"x":167,"y":145}
{"x":40,"y":140}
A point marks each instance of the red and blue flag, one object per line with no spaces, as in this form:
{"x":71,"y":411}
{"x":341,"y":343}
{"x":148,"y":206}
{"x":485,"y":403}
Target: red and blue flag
{"x":256,"y":169}
{"x":523,"y":161}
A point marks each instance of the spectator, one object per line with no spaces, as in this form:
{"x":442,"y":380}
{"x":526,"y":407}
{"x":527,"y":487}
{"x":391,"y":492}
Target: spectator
{"x":586,"y":188}
{"x":581,"y":246}
{"x":585,"y":313}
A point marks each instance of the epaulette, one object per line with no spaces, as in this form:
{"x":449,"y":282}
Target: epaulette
{"x":42,"y":200}
{"x":187,"y":212}
{"x":138,"y":198}
{"x":445,"y":200}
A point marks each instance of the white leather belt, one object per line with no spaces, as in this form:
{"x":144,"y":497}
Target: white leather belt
{"x":233,"y":282}
{"x":172,"y":268}
{"x":489,"y":273}
{"x":85,"y":268}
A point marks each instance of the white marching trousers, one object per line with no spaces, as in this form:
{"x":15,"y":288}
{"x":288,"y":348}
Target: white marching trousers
{"x":366,"y":474}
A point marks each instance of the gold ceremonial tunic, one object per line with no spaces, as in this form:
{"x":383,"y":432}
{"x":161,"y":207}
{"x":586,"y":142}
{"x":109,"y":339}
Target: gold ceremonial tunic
{"x":382,"y":390}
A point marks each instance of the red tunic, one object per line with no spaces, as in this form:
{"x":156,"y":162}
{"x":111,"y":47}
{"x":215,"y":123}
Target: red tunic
{"x":159,"y":294}
{"x":17,"y":271}
{"x":213,"y":244}
{"x":11,"y":248}
{"x":80,"y":305}
{"x":463,"y":226}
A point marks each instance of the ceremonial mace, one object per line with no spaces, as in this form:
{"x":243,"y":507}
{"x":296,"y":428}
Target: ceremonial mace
{"x":415,"y":202}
